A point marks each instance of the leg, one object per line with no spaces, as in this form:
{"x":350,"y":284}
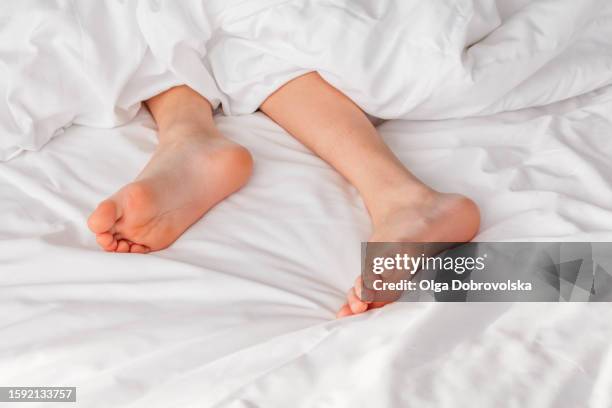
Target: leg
{"x":193,"y":169}
{"x":402,"y":208}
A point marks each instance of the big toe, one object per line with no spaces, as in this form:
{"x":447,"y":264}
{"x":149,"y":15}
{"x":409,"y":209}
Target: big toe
{"x":104,"y":217}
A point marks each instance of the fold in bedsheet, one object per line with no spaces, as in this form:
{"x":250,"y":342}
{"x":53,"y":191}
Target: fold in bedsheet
{"x":91,"y":62}
{"x":239,"y":312}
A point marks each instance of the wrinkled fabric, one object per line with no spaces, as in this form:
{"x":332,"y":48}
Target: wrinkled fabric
{"x":414,"y":59}
{"x":239,"y":312}
{"x":65,"y":62}
{"x":92,"y":62}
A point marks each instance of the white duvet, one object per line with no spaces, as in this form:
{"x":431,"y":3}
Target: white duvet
{"x":92,"y":62}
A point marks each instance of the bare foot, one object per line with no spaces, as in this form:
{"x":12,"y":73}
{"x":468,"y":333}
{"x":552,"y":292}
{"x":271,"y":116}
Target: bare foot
{"x":184,"y":179}
{"x":437,"y":218}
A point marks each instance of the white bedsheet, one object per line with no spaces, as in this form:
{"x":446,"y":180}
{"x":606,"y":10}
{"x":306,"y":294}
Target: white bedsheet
{"x":239,"y":312}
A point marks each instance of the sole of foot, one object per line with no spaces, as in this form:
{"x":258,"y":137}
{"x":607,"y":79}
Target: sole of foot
{"x":183,"y":180}
{"x":440,"y":218}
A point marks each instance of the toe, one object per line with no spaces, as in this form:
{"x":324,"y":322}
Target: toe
{"x":104,"y":217}
{"x":123,"y":247}
{"x":344,"y":311}
{"x":106,"y":241}
{"x":357,"y":305}
{"x":364,"y":294}
{"x":357,"y":285}
{"x":112,"y":247}
{"x":139,"y":249}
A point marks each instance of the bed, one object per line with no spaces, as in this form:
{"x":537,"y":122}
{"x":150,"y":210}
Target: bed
{"x":240,"y":311}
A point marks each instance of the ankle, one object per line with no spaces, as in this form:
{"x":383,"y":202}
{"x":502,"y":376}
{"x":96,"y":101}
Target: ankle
{"x":183,"y":131}
{"x":389,"y":201}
